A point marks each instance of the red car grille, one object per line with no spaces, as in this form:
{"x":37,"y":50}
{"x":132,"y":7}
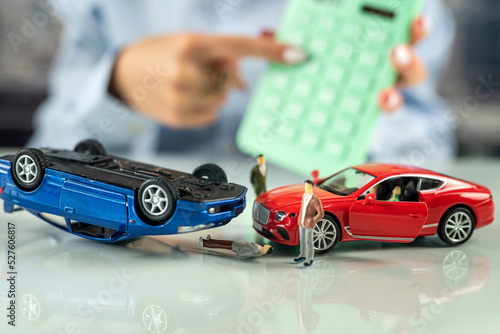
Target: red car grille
{"x":284,"y":233}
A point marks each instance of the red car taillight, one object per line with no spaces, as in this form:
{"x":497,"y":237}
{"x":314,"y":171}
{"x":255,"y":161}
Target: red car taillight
{"x":1,"y":191}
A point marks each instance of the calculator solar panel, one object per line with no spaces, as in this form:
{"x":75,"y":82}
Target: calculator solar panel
{"x":321,"y":114}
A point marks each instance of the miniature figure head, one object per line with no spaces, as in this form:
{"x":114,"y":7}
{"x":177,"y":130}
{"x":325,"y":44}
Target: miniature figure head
{"x":261,"y":160}
{"x":267,"y":249}
{"x":308,"y":187}
{"x":396,"y":190}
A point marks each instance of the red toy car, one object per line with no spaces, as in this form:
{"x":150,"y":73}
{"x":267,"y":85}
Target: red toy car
{"x":360,"y":204}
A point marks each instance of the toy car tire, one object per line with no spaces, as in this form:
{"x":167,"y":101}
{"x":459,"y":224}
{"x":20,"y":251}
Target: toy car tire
{"x":456,"y":226}
{"x":157,"y":200}
{"x":28,"y":168}
{"x":90,"y":146}
{"x":147,"y":312}
{"x":211,"y":172}
{"x":326,"y":234}
{"x":33,"y":308}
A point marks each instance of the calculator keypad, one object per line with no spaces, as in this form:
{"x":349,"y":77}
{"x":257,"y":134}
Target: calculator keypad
{"x":326,"y":108}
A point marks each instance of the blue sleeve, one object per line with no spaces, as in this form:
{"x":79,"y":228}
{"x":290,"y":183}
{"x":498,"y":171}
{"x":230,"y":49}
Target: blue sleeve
{"x":434,"y":50}
{"x":79,"y":105}
{"x":421,"y":132}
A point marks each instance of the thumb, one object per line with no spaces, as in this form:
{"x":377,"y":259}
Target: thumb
{"x":237,"y":47}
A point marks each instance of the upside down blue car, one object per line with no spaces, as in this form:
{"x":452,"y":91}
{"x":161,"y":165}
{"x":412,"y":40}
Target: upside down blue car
{"x":106,"y":198}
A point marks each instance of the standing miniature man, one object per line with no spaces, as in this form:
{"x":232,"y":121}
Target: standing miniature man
{"x":311,"y":212}
{"x":241,"y":248}
{"x":258,"y":176}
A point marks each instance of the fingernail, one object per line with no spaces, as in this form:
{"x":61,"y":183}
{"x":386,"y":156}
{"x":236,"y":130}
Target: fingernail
{"x":402,"y":55}
{"x":391,"y":100}
{"x":292,"y":56}
{"x":266,"y":33}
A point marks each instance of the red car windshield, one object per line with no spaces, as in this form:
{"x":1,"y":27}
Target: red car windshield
{"x":346,"y":182}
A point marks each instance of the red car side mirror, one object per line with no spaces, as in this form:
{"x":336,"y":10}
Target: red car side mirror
{"x":369,"y":199}
{"x":315,"y":176}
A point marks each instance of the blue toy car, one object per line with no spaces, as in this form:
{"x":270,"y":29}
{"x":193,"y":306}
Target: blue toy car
{"x":106,"y":198}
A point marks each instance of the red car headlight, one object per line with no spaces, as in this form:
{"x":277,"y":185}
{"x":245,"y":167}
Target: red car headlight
{"x":280,"y":216}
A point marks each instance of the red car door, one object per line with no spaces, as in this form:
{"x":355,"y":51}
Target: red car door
{"x":387,"y":221}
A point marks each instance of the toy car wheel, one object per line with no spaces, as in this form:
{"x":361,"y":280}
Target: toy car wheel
{"x":90,"y":146}
{"x":456,"y":226}
{"x":211,"y":172}
{"x":28,"y":168}
{"x":454,"y":269}
{"x":156,"y":318}
{"x":326,"y":235}
{"x":157,"y":200}
{"x":32,"y":307}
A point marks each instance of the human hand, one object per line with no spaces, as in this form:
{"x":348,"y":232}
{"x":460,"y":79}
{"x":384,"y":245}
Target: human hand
{"x":411,"y":70}
{"x":182,"y":80}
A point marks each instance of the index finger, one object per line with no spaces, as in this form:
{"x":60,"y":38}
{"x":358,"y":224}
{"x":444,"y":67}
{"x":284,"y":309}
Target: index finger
{"x":237,"y":47}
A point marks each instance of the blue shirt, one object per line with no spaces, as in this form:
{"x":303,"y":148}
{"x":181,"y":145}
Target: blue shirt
{"x":79,"y":105}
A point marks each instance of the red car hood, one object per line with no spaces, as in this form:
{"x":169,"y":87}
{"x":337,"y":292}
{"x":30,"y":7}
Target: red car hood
{"x":290,"y":195}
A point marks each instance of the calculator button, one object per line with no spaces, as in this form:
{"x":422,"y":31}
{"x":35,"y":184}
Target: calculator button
{"x":360,"y":81}
{"x":303,"y":88}
{"x":328,"y":24}
{"x":335,"y":74}
{"x":351,"y":105}
{"x":312,"y":68}
{"x":303,"y":18}
{"x":351,"y":30}
{"x":264,"y":121}
{"x":318,"y":118}
{"x":326,"y":96}
{"x":342,"y":128}
{"x":294,"y":110}
{"x":295,"y":38}
{"x":273,"y":102}
{"x":344,"y":52}
{"x":334,"y":149}
{"x":318,"y":46}
{"x":279,"y":81}
{"x":309,"y":140}
{"x":378,"y":36}
{"x":286,"y":132}
{"x":369,"y":59}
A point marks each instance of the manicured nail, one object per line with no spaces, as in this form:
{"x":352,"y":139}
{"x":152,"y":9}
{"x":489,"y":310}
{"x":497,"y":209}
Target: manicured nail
{"x":402,"y":55}
{"x":266,"y":33}
{"x":391,"y":100}
{"x":292,"y":56}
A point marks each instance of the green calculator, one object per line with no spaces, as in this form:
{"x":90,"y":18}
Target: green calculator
{"x":321,"y":114}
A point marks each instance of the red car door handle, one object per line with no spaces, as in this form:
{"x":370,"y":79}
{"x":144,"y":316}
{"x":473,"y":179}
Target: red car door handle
{"x":416,"y":215}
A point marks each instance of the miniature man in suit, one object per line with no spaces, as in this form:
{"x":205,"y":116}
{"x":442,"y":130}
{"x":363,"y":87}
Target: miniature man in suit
{"x":311,"y":212}
{"x":243,"y":249}
{"x":258,"y":176}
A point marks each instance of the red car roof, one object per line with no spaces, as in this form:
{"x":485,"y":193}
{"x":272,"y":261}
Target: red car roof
{"x":383,"y":170}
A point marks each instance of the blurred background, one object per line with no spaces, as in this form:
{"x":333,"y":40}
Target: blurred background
{"x":475,"y":60}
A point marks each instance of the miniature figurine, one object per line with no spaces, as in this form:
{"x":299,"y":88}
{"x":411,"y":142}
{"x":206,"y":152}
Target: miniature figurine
{"x":311,"y":212}
{"x":396,"y":192}
{"x":258,"y":176}
{"x":355,"y":201}
{"x":107,"y":198}
{"x":241,"y":248}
